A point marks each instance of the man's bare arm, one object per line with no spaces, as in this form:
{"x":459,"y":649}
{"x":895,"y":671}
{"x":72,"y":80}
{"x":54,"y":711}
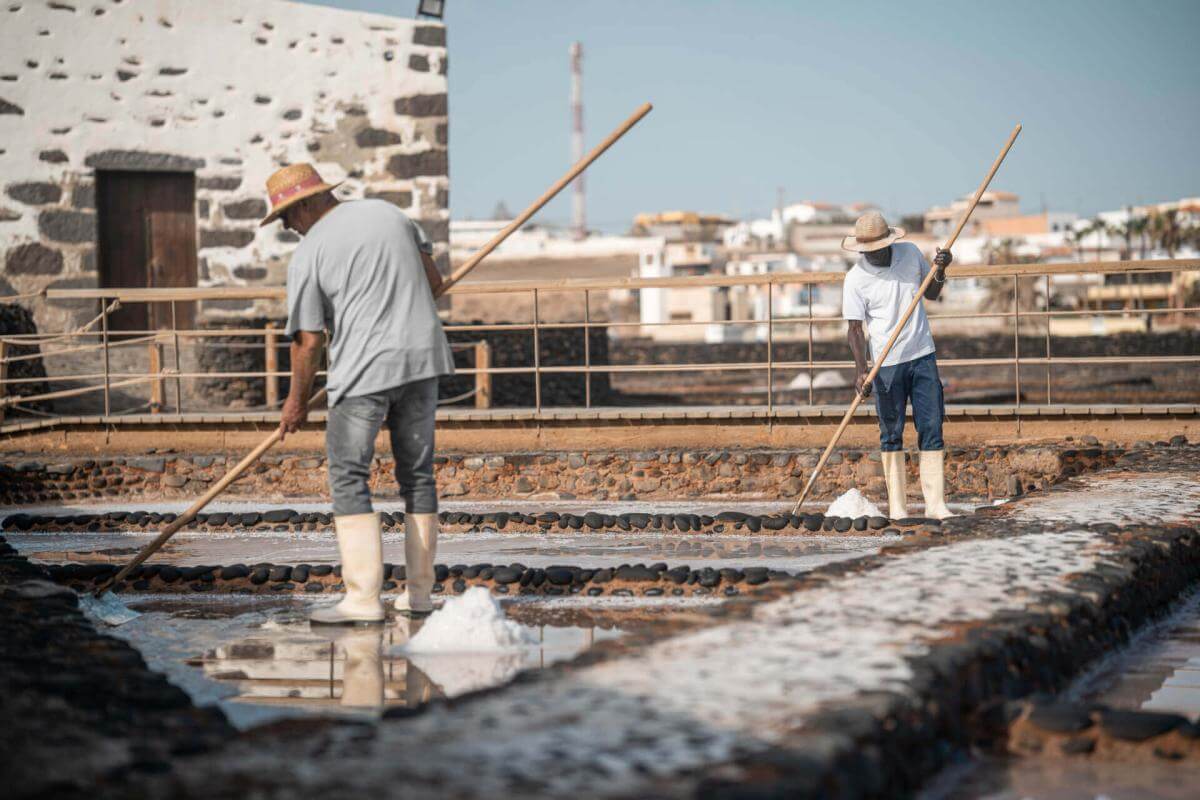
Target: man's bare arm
{"x":858,"y":346}
{"x":306,"y":358}
{"x":940,"y":262}
{"x":432,"y":274}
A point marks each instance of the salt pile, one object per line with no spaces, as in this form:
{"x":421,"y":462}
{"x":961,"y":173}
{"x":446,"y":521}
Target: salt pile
{"x":470,"y":623}
{"x":854,"y":505}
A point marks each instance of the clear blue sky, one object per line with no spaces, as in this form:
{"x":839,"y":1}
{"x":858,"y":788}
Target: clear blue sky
{"x":904,"y":104}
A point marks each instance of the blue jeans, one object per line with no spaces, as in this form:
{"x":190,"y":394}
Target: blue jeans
{"x":894,"y":386}
{"x":408,"y":410}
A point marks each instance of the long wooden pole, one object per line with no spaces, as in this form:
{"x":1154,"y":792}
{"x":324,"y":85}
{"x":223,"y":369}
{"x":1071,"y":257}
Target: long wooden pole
{"x":460,"y":273}
{"x":912,"y":307}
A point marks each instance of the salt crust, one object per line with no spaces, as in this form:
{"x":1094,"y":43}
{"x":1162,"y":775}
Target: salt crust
{"x":473,"y":622}
{"x":1123,"y":500}
{"x":853,"y":504}
{"x":702,"y":697}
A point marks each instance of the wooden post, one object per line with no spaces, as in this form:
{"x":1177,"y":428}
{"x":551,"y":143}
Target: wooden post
{"x":104,"y":333}
{"x":271,"y":365}
{"x":3,"y":376}
{"x":155,"y":354}
{"x":483,"y":380}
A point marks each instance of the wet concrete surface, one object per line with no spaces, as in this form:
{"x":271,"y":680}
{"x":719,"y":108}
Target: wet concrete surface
{"x":1159,"y":672}
{"x":259,"y":660}
{"x":790,"y":553}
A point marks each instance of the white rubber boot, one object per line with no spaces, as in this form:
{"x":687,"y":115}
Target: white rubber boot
{"x":933,"y":480}
{"x":420,"y":548}
{"x":893,"y":475}
{"x":360,"y":542}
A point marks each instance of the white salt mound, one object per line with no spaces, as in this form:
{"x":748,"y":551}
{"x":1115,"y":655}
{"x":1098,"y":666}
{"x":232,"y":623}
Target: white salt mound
{"x":470,"y":623}
{"x":853,"y":504}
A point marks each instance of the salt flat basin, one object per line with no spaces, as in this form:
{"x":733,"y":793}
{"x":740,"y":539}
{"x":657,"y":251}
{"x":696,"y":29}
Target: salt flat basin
{"x":258,"y":659}
{"x":790,"y":553}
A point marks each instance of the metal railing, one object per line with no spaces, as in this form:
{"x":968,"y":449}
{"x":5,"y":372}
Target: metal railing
{"x":165,"y":346}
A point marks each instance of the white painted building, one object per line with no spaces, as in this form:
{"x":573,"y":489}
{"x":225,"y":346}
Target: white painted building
{"x":142,"y":132}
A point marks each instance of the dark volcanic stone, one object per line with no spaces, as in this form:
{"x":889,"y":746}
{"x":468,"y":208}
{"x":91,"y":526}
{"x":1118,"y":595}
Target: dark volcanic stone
{"x":260,"y":576}
{"x":1137,"y":726}
{"x":635,"y":573}
{"x":708,"y":577}
{"x":33,"y":259}
{"x":300,"y":573}
{"x":842,"y":524}
{"x":730,"y":575}
{"x":637,"y":520}
{"x":677,"y":575}
{"x":754,"y":523}
{"x":1061,"y":718}
{"x":560,"y":576}
{"x":504,"y":575}
{"x":440,"y":573}
{"x":593,"y":520}
{"x":602,"y":576}
{"x":756,"y":575}
{"x":422,"y":105}
{"x":860,"y":524}
{"x":250,"y":518}
{"x":234,"y":572}
{"x":143,"y":161}
{"x":314,"y":588}
{"x":459,"y":585}
{"x":594,"y":591}
{"x":813,"y":522}
{"x":877,"y":523}
{"x":320,"y":570}
{"x":731,"y":516}
{"x":218,"y":519}
{"x":35,"y":193}
{"x":276,"y":515}
{"x":168,"y":574}
{"x":776,"y":523}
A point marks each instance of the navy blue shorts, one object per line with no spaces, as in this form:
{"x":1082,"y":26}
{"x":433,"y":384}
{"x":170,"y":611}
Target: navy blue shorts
{"x":895,"y":386}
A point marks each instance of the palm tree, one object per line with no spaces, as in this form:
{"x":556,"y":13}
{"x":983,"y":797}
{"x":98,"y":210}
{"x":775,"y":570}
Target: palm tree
{"x":1127,"y":230}
{"x":1165,"y":230}
{"x":1098,"y":228}
{"x":1075,"y":237}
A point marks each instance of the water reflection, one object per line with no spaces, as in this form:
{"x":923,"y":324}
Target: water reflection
{"x":318,"y":669}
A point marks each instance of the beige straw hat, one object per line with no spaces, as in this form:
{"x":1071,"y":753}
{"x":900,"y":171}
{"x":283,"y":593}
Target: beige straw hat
{"x":871,"y":232}
{"x":291,"y":185}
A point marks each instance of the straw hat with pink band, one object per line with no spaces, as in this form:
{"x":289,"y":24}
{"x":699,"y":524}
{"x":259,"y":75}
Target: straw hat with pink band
{"x":871,"y":232}
{"x":292,"y":184}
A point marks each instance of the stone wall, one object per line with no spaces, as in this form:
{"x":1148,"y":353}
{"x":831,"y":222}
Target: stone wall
{"x":508,"y":349}
{"x":15,"y":319}
{"x":228,"y":90}
{"x":972,"y":473}
{"x":647,"y":351}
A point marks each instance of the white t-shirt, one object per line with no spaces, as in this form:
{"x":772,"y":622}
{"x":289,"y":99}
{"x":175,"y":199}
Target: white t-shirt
{"x":880,"y":295}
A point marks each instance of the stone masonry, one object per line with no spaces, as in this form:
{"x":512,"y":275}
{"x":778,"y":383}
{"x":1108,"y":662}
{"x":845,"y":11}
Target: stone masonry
{"x":972,"y":473}
{"x":363,"y":96}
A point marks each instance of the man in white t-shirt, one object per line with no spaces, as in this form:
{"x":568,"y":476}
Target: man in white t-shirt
{"x":877,"y":291}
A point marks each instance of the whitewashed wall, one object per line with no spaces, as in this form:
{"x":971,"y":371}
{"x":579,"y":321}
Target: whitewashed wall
{"x":229,"y":89}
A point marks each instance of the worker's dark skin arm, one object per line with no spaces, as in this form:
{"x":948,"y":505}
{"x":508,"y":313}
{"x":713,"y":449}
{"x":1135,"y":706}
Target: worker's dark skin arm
{"x":432,"y":274}
{"x":940,"y":262}
{"x":858,"y":346}
{"x":306,"y":358}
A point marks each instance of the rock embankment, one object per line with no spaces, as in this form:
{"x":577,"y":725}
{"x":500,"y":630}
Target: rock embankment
{"x":982,"y":472}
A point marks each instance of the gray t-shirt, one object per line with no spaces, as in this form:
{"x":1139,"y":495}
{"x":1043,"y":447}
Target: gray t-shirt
{"x":358,"y":273}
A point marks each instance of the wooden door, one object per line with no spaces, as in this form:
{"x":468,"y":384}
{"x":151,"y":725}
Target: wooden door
{"x":147,"y":240}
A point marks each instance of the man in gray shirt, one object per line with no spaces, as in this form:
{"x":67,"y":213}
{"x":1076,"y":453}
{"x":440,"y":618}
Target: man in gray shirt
{"x":364,"y":272}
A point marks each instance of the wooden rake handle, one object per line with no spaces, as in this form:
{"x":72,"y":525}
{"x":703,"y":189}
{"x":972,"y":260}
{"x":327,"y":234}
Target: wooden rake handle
{"x":460,"y":273}
{"x":912,"y":307}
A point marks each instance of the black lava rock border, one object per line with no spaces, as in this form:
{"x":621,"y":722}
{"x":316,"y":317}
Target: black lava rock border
{"x":625,"y":580}
{"x":290,"y":520}
{"x":80,"y":709}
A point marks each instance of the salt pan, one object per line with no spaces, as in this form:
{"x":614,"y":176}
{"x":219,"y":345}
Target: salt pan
{"x":853,"y":504}
{"x":470,"y":623}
